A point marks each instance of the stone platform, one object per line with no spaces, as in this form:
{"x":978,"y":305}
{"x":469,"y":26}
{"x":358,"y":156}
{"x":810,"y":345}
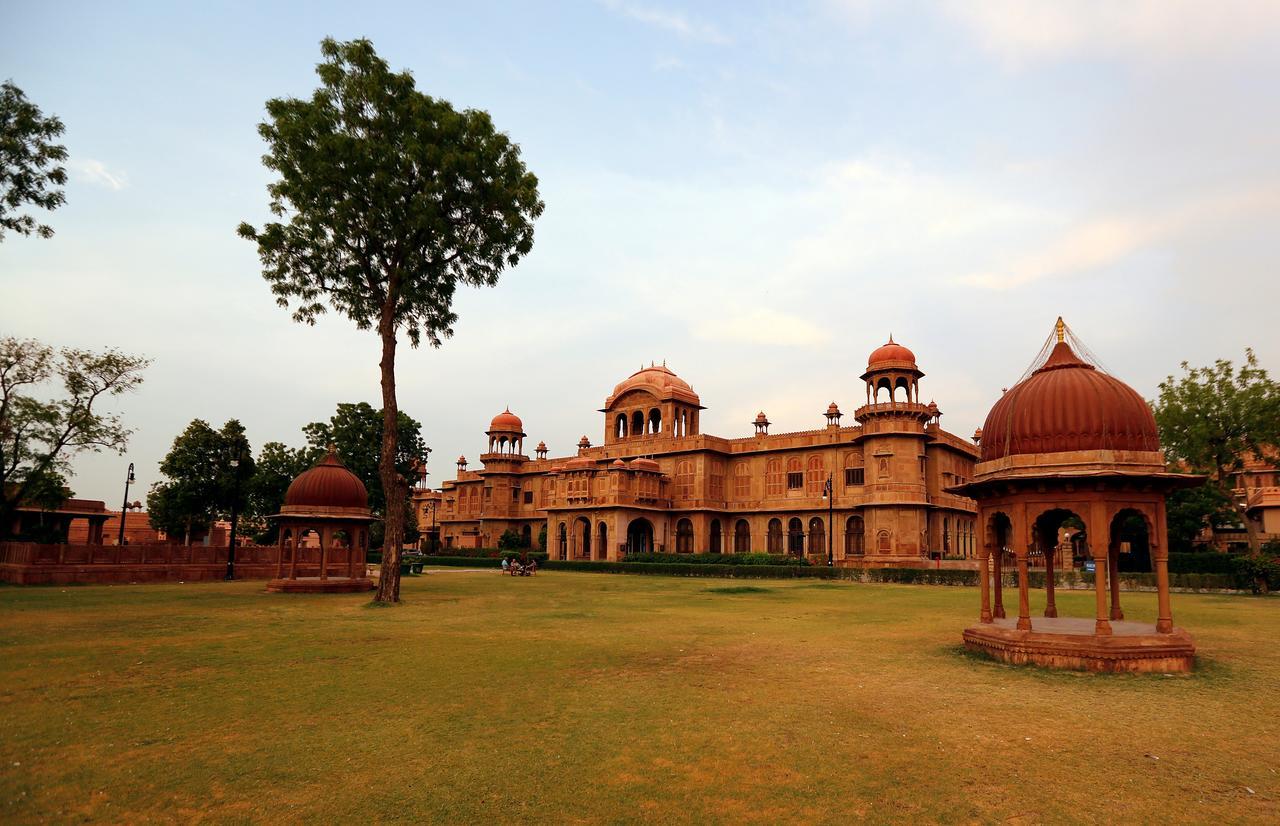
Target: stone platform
{"x":316,"y":585}
{"x":1069,"y":643}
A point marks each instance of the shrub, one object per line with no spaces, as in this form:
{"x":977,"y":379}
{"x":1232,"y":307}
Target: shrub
{"x":1259,"y":573}
{"x":715,"y":559}
{"x":1201,"y":563}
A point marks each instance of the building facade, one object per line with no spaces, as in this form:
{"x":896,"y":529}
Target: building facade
{"x":658,"y":483}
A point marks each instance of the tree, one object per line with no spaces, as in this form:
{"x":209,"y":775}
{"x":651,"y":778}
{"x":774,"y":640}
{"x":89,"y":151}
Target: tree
{"x":356,"y":430}
{"x":389,"y":200}
{"x":1212,"y":419}
{"x":30,"y":162}
{"x":277,"y":466}
{"x":202,"y":484}
{"x":38,"y":438}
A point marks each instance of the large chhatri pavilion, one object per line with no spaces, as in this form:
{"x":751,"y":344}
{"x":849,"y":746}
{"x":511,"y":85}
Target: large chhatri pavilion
{"x":1070,"y":445}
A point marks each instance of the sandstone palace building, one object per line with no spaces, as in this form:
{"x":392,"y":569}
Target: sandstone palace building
{"x":658,"y":483}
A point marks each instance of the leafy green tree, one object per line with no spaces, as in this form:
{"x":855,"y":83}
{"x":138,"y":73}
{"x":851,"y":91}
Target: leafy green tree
{"x":1212,"y":418}
{"x":207,"y":473}
{"x":31,"y":170}
{"x":511,"y":540}
{"x":1189,"y":511}
{"x":276,"y":468}
{"x":389,"y":200}
{"x":39,"y":438}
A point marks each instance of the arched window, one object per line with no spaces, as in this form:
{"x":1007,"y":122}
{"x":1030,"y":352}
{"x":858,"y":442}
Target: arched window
{"x":637,"y":423}
{"x":655,"y":421}
{"x":684,"y":479}
{"x":773,"y":477}
{"x":684,"y":537}
{"x":795,"y":537}
{"x":815,"y":477}
{"x":742,"y":537}
{"x":882,"y":542}
{"x":853,"y":539}
{"x":564,"y":542}
{"x":602,"y":548}
{"x":817,"y":536}
{"x":620,"y":426}
{"x":885,"y":385}
{"x":854,"y":471}
{"x":526,"y":536}
{"x":715,"y":537}
{"x":775,"y":536}
{"x":946,"y":534}
{"x":741,"y":481}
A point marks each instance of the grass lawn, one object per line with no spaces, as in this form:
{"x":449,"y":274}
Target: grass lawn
{"x":603,"y":698}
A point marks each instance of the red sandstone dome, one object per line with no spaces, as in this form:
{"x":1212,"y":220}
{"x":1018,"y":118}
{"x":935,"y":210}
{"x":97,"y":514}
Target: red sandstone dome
{"x":507,"y":422}
{"x":645,"y":464}
{"x":891,"y":354}
{"x":658,"y":380}
{"x":328,"y":485}
{"x":1068,"y":405}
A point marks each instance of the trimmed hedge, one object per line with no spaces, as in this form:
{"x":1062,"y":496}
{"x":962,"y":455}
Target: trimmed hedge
{"x":716,"y":559}
{"x":1202,"y":563}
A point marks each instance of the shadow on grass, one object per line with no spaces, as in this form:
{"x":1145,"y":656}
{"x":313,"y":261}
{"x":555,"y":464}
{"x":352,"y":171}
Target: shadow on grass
{"x":738,"y":589}
{"x":1207,"y":669}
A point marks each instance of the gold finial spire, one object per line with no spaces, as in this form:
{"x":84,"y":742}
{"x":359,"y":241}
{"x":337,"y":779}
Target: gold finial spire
{"x":1061,"y":330}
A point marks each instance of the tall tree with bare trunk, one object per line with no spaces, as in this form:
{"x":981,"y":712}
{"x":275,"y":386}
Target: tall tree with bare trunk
{"x":388,"y":199}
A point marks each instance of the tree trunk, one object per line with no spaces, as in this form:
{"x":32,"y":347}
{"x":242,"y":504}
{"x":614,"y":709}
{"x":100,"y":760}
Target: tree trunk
{"x":392,"y":485}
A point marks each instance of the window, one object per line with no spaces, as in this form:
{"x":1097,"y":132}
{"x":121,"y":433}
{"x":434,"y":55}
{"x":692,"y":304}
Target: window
{"x":854,"y":476}
{"x":515,"y":494}
{"x":924,"y":467}
{"x":684,"y":537}
{"x":742,"y":537}
{"x":773,"y":477}
{"x":775,"y":536}
{"x":717,"y":482}
{"x":741,"y":481}
{"x":795,"y":480}
{"x":684,"y":480}
{"x":795,"y":537}
{"x":528,"y":497}
{"x":715,"y":536}
{"x":815,"y":478}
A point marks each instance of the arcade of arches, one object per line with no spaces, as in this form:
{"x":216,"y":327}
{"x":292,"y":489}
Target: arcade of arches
{"x":657,"y":483}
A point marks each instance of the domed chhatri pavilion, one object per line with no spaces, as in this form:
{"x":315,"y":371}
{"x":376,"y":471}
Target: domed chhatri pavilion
{"x":1072,"y":449}
{"x":331,"y":502}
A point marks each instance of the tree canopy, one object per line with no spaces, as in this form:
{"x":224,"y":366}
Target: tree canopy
{"x":388,"y":199}
{"x":31,"y":171}
{"x":38,"y":438}
{"x":201,"y":485}
{"x":1211,"y":420}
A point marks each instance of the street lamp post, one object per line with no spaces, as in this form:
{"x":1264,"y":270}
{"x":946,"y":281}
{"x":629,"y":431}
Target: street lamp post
{"x":828,"y":493}
{"x":124,"y":507}
{"x":235,"y":500}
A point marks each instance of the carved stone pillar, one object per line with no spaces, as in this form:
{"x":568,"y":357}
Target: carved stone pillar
{"x":1024,"y":603}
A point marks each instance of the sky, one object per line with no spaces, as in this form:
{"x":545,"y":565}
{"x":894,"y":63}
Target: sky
{"x":757,"y":193}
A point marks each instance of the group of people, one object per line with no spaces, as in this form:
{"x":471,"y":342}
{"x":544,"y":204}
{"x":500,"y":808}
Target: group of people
{"x":517,"y":568}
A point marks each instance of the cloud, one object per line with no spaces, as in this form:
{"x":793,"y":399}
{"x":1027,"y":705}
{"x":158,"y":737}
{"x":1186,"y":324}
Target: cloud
{"x":670,"y":21}
{"x":96,"y":172}
{"x":1039,"y":30}
{"x":1096,"y":244}
{"x":759,"y":325}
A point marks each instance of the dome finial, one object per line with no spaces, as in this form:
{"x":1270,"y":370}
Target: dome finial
{"x":1060,"y":329}
{"x":891,"y":338}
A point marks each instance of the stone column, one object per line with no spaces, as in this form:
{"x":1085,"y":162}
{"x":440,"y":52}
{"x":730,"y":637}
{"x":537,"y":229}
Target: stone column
{"x":998,"y":610}
{"x":1102,"y":627}
{"x":280,"y":554}
{"x":1050,"y":605}
{"x":351,"y":553}
{"x":1113,"y":576}
{"x":324,"y":552}
{"x":1024,"y":604}
{"x":293,"y":553}
{"x":984,"y":584}
{"x":1164,"y":621}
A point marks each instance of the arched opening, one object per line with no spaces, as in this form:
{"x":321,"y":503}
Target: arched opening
{"x":1131,"y":541}
{"x":526,"y":536}
{"x":795,"y":537}
{"x":582,"y":533}
{"x":655,"y":421}
{"x":714,"y":539}
{"x":563,"y":542}
{"x":946,"y":535}
{"x":853,"y":536}
{"x":775,"y":536}
{"x":817,"y":536}
{"x":742,"y":537}
{"x":620,"y":426}
{"x":640,"y":536}
{"x":602,"y":547}
{"x":887,"y":386}
{"x":884,"y":542}
{"x":637,"y":423}
{"x":1057,"y":536}
{"x":684,"y":537}
{"x":905,"y":386}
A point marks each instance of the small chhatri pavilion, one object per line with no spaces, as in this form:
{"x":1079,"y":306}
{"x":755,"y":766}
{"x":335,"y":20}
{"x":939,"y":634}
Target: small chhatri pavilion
{"x":1072,"y":447}
{"x":330,"y":502}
